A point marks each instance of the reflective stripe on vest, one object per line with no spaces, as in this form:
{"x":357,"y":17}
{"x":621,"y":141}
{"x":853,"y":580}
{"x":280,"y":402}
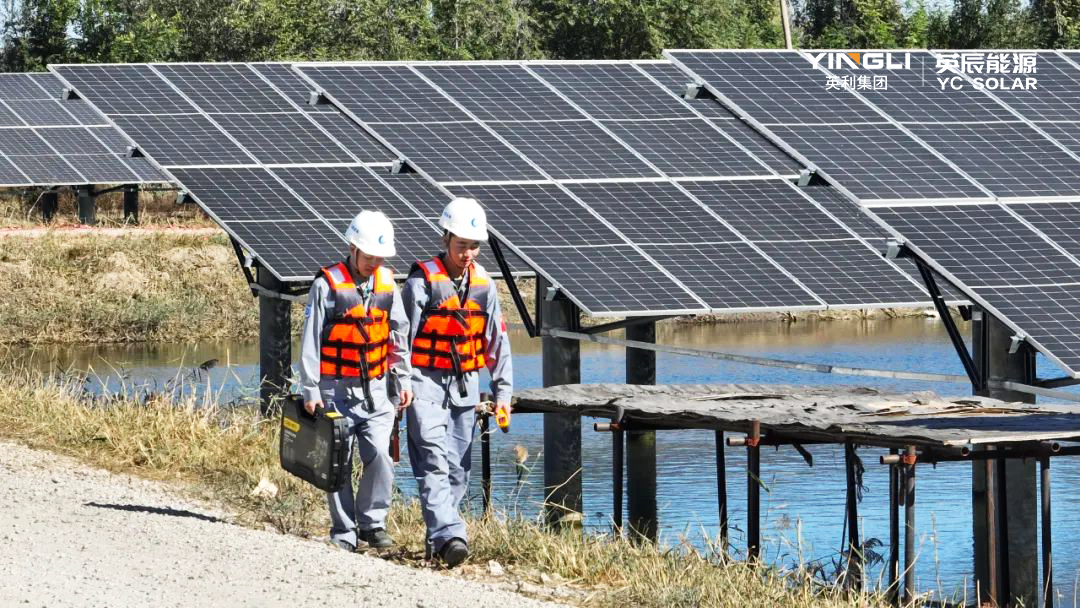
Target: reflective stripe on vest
{"x":355,"y":341}
{"x":452,"y":335}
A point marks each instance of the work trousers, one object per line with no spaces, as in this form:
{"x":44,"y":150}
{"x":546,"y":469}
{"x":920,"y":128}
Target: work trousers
{"x":440,"y":450}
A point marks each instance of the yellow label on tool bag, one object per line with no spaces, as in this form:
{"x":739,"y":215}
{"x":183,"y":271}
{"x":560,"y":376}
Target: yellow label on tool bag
{"x":290,"y":424}
{"x":333,"y":415}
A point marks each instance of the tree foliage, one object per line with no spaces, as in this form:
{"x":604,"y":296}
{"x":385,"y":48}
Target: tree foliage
{"x":38,"y":32}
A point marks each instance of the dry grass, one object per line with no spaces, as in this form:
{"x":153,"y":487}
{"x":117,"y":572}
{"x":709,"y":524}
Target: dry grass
{"x":20,"y":208}
{"x":223,"y":453}
{"x":97,"y":288}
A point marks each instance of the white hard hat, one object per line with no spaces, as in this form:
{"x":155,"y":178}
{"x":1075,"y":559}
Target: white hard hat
{"x":465,"y":218}
{"x":372,"y":233}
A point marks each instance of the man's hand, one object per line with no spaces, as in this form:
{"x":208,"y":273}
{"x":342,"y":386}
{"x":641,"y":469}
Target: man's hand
{"x":406,"y":399}
{"x":309,"y":406}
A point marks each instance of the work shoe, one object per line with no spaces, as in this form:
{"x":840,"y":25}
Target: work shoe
{"x":454,"y":552}
{"x":376,"y":538}
{"x":342,"y":544}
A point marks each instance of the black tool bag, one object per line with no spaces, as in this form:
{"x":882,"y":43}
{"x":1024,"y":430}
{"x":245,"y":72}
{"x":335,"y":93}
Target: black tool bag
{"x":315,"y":448}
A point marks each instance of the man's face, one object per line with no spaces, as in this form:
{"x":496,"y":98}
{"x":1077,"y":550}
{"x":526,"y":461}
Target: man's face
{"x":363,"y":263}
{"x":461,"y":251}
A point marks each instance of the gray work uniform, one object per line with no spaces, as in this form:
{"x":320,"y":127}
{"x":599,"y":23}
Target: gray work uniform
{"x":369,"y":429}
{"x":441,"y":421}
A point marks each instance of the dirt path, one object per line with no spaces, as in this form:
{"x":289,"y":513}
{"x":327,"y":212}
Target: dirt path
{"x":78,"y":536}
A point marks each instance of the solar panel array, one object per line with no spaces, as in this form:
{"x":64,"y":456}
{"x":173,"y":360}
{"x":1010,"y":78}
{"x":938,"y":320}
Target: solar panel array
{"x":48,"y":141}
{"x":283,"y":179}
{"x":631,"y":199}
{"x":983,"y":184}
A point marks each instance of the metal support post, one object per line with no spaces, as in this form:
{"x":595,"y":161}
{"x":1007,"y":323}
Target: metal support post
{"x":562,"y":432}
{"x":50,"y":203}
{"x":275,"y":343}
{"x":1005,"y":497}
{"x":909,"y":525}
{"x":892,"y":591}
{"x":131,"y":203}
{"x":721,"y":489}
{"x":87,"y":206}
{"x":641,"y":444}
{"x":854,"y":549}
{"x":753,"y":492}
{"x":617,"y":464}
{"x":1047,"y":543}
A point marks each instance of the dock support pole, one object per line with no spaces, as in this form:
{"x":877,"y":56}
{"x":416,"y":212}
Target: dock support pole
{"x":641,"y":444}
{"x":562,"y":432}
{"x":617,"y":461}
{"x":893,"y":591}
{"x":131,"y":203}
{"x":275,"y":342}
{"x":753,"y":492}
{"x":721,"y":490}
{"x":485,"y":459}
{"x":853,"y":575}
{"x":87,"y":206}
{"x":50,"y":203}
{"x":909,"y":525}
{"x":1047,"y":543}
{"x":1015,"y":575}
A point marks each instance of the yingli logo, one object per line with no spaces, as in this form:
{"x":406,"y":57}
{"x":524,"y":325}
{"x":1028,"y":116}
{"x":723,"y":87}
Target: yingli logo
{"x":852,"y":60}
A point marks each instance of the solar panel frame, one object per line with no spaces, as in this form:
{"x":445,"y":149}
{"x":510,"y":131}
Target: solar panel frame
{"x":676,"y":80}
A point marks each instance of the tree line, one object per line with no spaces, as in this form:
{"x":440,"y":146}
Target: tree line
{"x":38,"y":32}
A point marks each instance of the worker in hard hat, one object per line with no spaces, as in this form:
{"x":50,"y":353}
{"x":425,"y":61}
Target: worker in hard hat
{"x":354,"y":355}
{"x":456,"y":329}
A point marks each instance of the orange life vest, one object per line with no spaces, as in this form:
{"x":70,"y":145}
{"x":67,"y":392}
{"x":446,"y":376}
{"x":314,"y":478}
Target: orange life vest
{"x":452,"y":334}
{"x":355,"y":340}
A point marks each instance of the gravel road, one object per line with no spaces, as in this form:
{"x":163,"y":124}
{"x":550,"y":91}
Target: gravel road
{"x":77,"y":536}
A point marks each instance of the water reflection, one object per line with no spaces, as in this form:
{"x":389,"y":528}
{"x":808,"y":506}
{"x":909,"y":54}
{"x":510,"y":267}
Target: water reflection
{"x":803,"y":509}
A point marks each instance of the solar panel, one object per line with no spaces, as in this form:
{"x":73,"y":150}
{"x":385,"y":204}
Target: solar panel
{"x":687,"y":148}
{"x":287,"y":81}
{"x":421,"y":194}
{"x":223,"y":87}
{"x":10,"y":175}
{"x":9,"y":118}
{"x":73,"y":140}
{"x":653,"y":213}
{"x":47,"y":169}
{"x":612,"y":280}
{"x":1009,"y":159}
{"x":732,"y":276}
{"x":540,"y":214}
{"x":282,"y":138}
{"x":845,"y":272}
{"x":616,"y":91}
{"x":878,"y":161}
{"x":42,"y":112}
{"x":102,"y":168}
{"x":237,"y":194}
{"x":917,"y":95}
{"x":1059,"y":221}
{"x":146,"y":170}
{"x":357,"y":141}
{"x":676,"y":80}
{"x":775,"y":87}
{"x":390,"y":93}
{"x":83,"y":113}
{"x":125,"y":89}
{"x":767,"y":211}
{"x":1049,"y":314}
{"x":760,"y":146}
{"x":19,"y":86}
{"x":458,"y":152}
{"x":1055,"y":96}
{"x":499,"y":92}
{"x":182,"y":140}
{"x":342,"y":192}
{"x":292,"y":250}
{"x":573,"y":150}
{"x":982,"y":245}
{"x":23,"y":142}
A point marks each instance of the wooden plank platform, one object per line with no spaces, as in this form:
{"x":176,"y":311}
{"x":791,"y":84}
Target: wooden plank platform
{"x":816,"y":414}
